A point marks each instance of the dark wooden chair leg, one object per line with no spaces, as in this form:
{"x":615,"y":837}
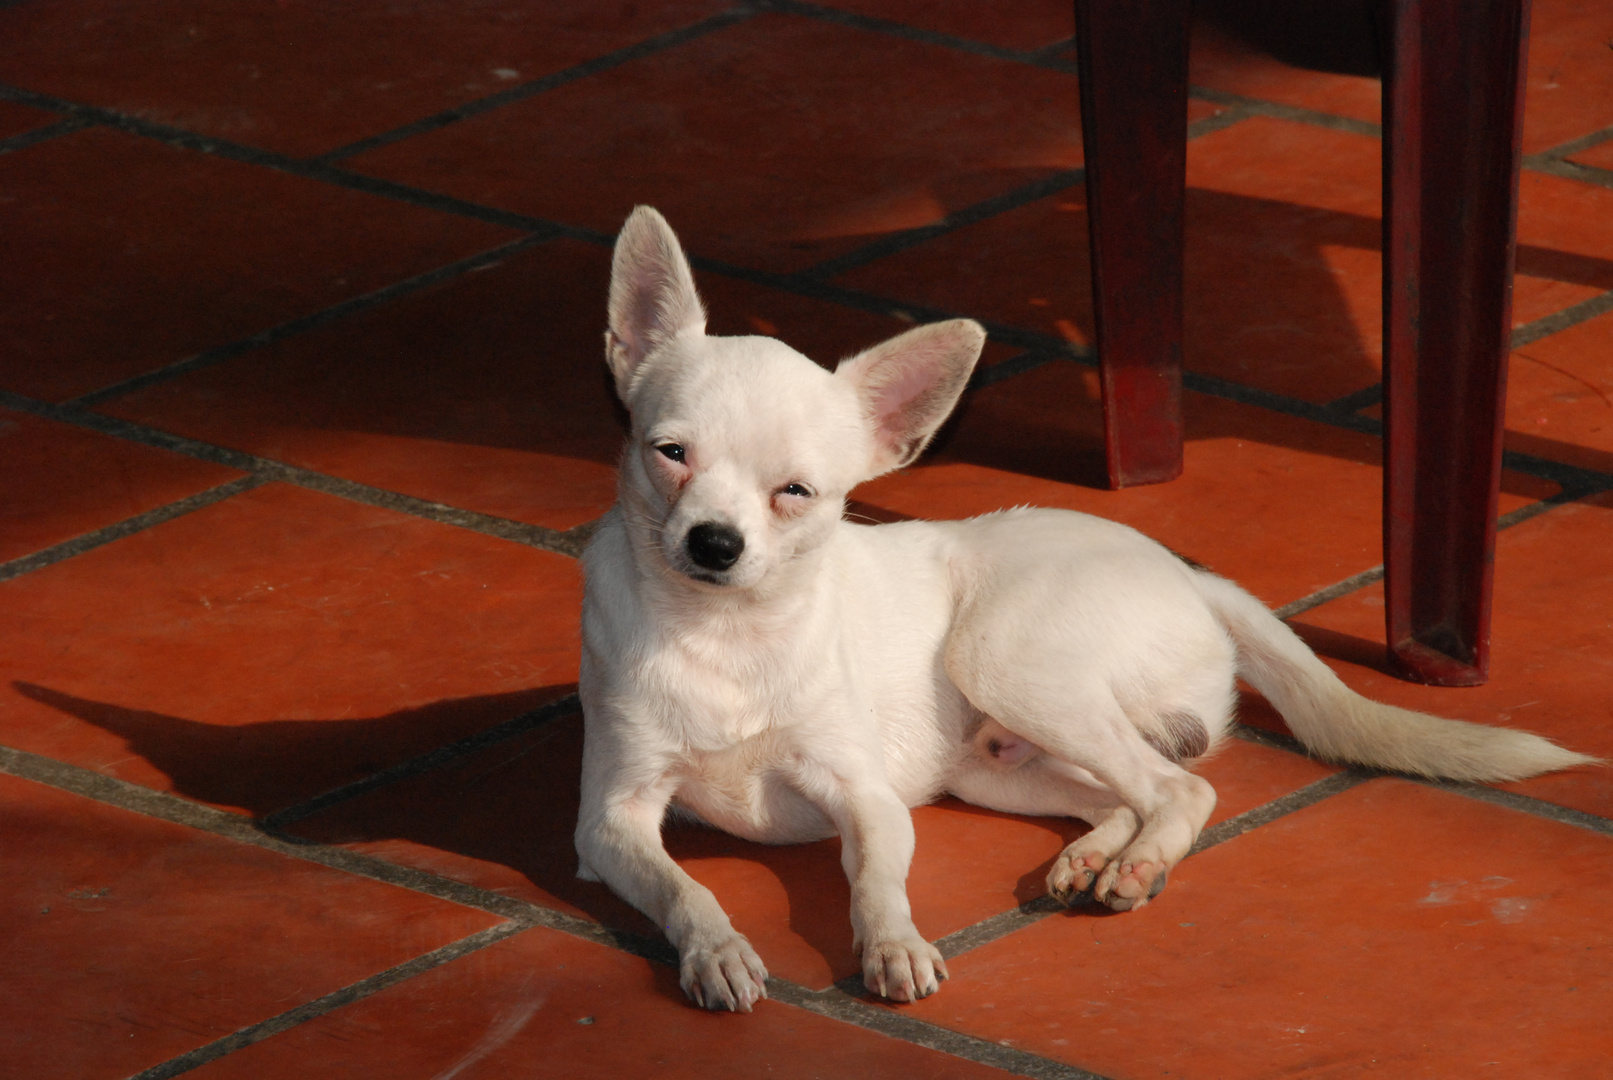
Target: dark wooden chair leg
{"x":1133,"y":58}
{"x":1452,"y":117}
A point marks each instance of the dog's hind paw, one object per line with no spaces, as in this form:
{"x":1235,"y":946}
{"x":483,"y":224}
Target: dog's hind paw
{"x":726,"y":976}
{"x":903,"y":970}
{"x":1127,"y":886}
{"x":1073,"y":875}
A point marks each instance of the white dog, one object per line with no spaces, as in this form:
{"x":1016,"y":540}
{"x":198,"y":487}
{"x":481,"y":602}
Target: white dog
{"x":752,"y":659}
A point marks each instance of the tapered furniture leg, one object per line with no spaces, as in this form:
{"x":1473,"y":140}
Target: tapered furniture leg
{"x":1452,"y":110}
{"x":1133,"y":57}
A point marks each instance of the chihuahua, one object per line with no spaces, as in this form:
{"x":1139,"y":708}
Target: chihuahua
{"x":753,"y":660}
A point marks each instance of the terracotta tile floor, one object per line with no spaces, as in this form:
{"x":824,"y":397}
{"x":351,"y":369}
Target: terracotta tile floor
{"x":303,"y":424}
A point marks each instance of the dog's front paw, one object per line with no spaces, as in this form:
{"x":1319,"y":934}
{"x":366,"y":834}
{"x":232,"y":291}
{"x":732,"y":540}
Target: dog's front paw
{"x":903,"y":970}
{"x":727,"y":975}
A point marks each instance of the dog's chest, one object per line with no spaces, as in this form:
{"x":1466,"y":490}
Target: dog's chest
{"x":712,"y":703}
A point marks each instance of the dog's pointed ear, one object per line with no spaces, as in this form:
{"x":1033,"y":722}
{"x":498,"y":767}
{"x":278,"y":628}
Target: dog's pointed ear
{"x":910,"y":383}
{"x":652,"y":295}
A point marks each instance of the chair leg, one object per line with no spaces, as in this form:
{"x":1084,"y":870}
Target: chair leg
{"x":1133,"y":59}
{"x":1452,"y":118}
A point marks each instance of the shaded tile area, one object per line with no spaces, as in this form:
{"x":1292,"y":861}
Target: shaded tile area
{"x":489,"y":392}
{"x":847,"y":135}
{"x":16,"y":119}
{"x":1313,"y":518}
{"x":1028,"y":26}
{"x":1228,"y":55}
{"x":1569,"y":92}
{"x":304,"y":78}
{"x":266,"y":648}
{"x":1270,"y":955}
{"x":140,"y":255}
{"x":1551,"y":644}
{"x":130,"y":940}
{"x":1560,"y":396}
{"x":542,"y":1003}
{"x":62,"y":481}
{"x":502,"y":820}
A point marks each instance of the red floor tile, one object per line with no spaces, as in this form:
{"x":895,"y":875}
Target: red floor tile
{"x":1392,"y":930}
{"x":503,"y":820}
{"x":278,"y":644}
{"x":1569,"y":92}
{"x":140,"y":255}
{"x":1550,"y":646}
{"x":1282,"y":505}
{"x":18,"y":119}
{"x":775,"y":143}
{"x":488,"y":393}
{"x":131,"y":940}
{"x":1560,"y":396}
{"x":546,"y":1004}
{"x":1024,"y":26}
{"x":304,"y":78}
{"x":61,"y":481}
{"x":1221,"y":60}
{"x":1565,"y":238}
{"x":1599,"y":156}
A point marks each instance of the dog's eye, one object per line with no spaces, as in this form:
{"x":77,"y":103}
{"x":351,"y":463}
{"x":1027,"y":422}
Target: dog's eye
{"x":800,"y":491}
{"x":671,"y":451}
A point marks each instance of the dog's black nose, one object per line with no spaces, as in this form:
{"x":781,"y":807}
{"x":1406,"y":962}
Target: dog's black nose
{"x":713,"y":546}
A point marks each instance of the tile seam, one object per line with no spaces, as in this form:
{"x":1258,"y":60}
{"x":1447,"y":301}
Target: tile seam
{"x":553,"y":81}
{"x":89,"y":541}
{"x":892,"y":28}
{"x":336,"y":999}
{"x":1007,"y":923}
{"x":520,"y":915}
{"x":1572,"y":146}
{"x":312,"y":321}
{"x":787,"y":282}
{"x":536,"y":536}
{"x":22,"y":141}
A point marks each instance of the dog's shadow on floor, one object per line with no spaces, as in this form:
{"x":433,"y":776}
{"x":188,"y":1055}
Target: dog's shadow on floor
{"x":501,"y":816}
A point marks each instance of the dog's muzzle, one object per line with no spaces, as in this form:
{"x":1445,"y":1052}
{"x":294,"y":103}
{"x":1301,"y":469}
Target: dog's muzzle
{"x":714,"y":547}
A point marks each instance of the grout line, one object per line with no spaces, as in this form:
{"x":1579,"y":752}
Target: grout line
{"x":537,"y":536}
{"x":43,"y":134}
{"x":1036,"y":58}
{"x":891,"y":243}
{"x":1294,"y":801}
{"x":1525,"y":804}
{"x":1571,"y":170}
{"x":268,"y":159}
{"x":1052,"y":51}
{"x":414,"y":766}
{"x":89,"y":541}
{"x":1007,"y":369}
{"x":357,"y":991}
{"x":1364,"y":398}
{"x":849,"y":1008}
{"x":1033,"y":911}
{"x":1331,"y":592}
{"x":555,"y":80}
{"x":1571,"y":147}
{"x":520,"y":915}
{"x":305,"y":323}
{"x":1585,"y":310}
{"x":1276,"y":110}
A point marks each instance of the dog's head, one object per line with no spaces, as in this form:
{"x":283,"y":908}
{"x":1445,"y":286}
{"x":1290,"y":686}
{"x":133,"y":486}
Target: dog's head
{"x":742,"y":449}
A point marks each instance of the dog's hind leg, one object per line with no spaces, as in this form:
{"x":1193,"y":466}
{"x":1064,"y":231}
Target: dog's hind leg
{"x":1047,"y":787}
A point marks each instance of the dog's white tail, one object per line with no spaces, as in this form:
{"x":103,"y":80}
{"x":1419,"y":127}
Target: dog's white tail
{"x":1337,"y":723}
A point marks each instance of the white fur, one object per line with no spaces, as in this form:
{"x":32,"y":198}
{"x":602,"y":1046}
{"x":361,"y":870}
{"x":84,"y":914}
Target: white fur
{"x":825,"y":676}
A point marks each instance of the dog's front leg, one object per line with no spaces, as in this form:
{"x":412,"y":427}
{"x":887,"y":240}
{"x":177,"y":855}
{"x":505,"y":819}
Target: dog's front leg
{"x":619,"y":843}
{"x":876,"y":849}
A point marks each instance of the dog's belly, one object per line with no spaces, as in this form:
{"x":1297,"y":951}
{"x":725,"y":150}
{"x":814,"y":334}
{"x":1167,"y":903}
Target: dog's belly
{"x":757,"y":806}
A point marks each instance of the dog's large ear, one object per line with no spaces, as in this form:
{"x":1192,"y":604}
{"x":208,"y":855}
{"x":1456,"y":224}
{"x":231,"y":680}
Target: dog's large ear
{"x":910,"y":383}
{"x":652,"y":295}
